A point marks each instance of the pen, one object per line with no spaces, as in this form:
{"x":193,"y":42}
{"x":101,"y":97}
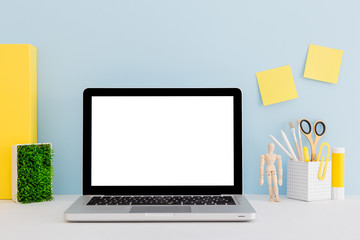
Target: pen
{"x":288,"y":145}
{"x":292,"y":128}
{"x":281,"y":146}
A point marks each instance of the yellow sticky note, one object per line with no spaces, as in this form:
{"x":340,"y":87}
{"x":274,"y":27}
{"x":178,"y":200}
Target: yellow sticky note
{"x":276,"y":85}
{"x":323,"y":63}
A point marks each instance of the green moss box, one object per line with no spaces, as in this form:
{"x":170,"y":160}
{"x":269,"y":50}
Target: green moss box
{"x":32,"y":172}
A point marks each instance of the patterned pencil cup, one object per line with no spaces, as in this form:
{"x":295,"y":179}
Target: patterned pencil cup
{"x":303,"y":182}
{"x":32,"y":172}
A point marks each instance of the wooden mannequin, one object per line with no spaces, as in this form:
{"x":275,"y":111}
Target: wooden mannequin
{"x":270,"y":158}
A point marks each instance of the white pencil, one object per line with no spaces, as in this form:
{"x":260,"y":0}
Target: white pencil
{"x":300,"y":142}
{"x":288,"y":145}
{"x":281,"y":146}
{"x":292,"y":128}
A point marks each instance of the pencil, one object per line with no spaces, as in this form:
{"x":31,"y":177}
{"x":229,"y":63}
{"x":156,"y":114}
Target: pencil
{"x":281,"y":146}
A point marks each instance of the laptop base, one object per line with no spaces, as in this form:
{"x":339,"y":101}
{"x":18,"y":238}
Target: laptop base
{"x":80,"y":212}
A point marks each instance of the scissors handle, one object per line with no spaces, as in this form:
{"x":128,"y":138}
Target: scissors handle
{"x":303,"y":130}
{"x":316,"y":129}
{"x":307,"y":134}
{"x":317,"y":133}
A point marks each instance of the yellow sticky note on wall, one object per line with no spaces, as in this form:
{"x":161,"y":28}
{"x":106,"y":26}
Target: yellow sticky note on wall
{"x":17,"y":105}
{"x":323,"y":63}
{"x":276,"y":85}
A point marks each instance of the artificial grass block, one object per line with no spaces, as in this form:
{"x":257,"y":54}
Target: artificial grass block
{"x":32,"y":172}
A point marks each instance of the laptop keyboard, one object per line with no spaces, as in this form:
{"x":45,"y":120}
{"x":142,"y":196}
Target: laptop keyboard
{"x":162,"y":200}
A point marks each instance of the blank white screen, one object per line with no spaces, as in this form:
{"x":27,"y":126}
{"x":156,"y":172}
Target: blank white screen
{"x":162,"y":141}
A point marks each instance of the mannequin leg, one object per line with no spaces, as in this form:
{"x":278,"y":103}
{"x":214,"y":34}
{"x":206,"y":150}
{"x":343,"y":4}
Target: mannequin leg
{"x":276,"y":189}
{"x":270,"y":186}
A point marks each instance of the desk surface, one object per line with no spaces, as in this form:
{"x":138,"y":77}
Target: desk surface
{"x":289,"y":219}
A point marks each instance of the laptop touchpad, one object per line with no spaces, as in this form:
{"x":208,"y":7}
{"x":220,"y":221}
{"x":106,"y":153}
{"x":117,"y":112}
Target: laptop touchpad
{"x":160,"y":209}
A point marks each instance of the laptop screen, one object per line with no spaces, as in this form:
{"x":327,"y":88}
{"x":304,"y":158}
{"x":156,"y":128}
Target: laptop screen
{"x":162,"y":141}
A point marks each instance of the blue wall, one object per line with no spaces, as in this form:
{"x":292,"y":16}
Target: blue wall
{"x":189,"y":43}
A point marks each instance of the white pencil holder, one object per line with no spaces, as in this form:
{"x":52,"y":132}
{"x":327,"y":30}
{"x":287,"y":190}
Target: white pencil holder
{"x":303,"y":182}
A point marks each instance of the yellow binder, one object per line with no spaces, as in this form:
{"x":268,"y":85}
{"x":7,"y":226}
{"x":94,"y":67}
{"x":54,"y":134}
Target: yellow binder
{"x":18,"y":105}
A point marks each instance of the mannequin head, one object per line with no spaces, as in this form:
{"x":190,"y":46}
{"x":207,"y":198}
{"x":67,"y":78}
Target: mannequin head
{"x":271,"y":147}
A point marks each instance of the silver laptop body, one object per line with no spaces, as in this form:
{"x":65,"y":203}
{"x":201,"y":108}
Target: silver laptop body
{"x":168,"y":154}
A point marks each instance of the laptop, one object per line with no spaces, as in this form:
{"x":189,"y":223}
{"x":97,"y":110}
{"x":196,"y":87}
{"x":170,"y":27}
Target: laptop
{"x":162,"y":154}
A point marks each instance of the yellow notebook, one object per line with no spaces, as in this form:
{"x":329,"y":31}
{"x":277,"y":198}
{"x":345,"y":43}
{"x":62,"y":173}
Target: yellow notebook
{"x":18,"y":115}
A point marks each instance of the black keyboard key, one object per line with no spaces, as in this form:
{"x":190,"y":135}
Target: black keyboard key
{"x":94,"y":200}
{"x":162,"y":200}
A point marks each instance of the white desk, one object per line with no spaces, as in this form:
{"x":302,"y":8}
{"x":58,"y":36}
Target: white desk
{"x":289,"y":219}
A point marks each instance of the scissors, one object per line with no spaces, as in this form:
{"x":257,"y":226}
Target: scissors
{"x":319,"y":129}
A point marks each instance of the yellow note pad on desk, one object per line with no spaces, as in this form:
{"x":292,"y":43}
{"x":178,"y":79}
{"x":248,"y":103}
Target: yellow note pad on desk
{"x":18,"y":104}
{"x":276,"y":85}
{"x":323,"y":63}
